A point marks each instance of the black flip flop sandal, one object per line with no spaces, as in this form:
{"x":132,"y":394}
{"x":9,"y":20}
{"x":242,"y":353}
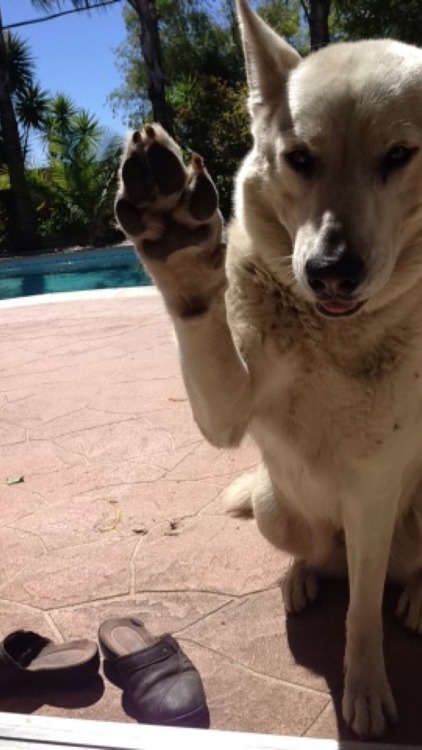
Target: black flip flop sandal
{"x":28,"y":658}
{"x":163,"y":685}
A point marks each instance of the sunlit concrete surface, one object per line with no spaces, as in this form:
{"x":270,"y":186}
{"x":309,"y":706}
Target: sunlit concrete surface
{"x":119,"y":512}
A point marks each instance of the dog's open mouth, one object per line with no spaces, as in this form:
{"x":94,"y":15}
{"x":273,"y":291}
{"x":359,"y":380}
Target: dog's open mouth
{"x":336,"y":309}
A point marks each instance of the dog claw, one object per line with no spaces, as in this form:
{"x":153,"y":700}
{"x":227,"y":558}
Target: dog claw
{"x":197,"y":163}
{"x":150,"y":133}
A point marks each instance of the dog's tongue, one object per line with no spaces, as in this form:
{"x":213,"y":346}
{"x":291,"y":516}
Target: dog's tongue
{"x":338,"y":308}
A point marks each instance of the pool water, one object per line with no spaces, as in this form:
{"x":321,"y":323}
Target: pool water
{"x":107,"y":268}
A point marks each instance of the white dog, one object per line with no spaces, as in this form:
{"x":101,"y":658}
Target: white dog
{"x":310,"y":335}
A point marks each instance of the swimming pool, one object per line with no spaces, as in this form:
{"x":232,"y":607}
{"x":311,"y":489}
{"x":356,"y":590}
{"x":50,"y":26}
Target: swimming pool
{"x":106,"y":268}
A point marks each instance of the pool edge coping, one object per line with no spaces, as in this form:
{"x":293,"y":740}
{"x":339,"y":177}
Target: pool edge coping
{"x":92,"y":294}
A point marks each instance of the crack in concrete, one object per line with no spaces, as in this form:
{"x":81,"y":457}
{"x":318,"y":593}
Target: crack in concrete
{"x":12,"y":527}
{"x":314,"y":721}
{"x":257,"y":673}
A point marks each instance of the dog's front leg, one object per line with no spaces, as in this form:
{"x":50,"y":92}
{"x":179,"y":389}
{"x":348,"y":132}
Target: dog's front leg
{"x":171,"y":214}
{"x":368,"y":525}
{"x":216,"y":378}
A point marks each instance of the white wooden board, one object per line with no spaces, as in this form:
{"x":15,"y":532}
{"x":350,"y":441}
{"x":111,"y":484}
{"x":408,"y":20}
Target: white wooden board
{"x":21,"y":732}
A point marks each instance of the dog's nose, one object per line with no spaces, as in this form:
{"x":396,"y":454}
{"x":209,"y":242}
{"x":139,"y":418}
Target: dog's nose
{"x":334,"y":275}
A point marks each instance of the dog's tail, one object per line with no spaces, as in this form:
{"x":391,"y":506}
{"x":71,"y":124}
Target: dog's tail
{"x":237,"y":498}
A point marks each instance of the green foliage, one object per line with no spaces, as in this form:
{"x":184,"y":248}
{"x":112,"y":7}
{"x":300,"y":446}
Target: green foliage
{"x":29,"y":99}
{"x":192,"y":40}
{"x":74,"y":193}
{"x":31,"y":106}
{"x":79,"y":185}
{"x":285,"y":17}
{"x":76,"y":190}
{"x":397,"y":19}
{"x":212,"y":120}
{"x":20,"y":62}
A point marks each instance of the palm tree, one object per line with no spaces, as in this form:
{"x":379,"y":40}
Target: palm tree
{"x":23,"y":221}
{"x":29,"y":100}
{"x":83,"y":163}
{"x":58,"y":124}
{"x":31,"y":106}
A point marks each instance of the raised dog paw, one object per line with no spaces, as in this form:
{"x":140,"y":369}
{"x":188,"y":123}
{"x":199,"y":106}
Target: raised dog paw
{"x":170,"y":212}
{"x":368,"y":703}
{"x":409,"y":607}
{"x":162,"y":204}
{"x":299,"y":587}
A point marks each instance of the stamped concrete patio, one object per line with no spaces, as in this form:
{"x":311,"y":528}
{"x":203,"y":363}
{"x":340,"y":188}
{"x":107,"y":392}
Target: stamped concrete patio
{"x":118,"y":512}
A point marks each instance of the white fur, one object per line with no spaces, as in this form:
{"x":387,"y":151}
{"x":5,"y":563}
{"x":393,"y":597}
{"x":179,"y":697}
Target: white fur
{"x":335,"y":405}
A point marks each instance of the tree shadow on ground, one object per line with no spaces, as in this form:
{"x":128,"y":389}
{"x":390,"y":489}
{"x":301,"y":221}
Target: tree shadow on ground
{"x":317,"y":640}
{"x":30,"y":699}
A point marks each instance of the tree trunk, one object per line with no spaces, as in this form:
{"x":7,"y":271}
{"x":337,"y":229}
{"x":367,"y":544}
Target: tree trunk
{"x":319,"y":10}
{"x":23,"y":223}
{"x":151,"y":51}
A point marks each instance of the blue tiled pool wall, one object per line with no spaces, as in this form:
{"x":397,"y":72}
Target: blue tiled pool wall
{"x":106,"y":268}
{"x":82,"y":260}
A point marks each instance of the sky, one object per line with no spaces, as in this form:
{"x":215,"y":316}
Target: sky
{"x":75,"y":55}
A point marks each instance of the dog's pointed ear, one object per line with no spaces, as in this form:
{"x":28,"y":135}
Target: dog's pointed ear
{"x":268,"y":57}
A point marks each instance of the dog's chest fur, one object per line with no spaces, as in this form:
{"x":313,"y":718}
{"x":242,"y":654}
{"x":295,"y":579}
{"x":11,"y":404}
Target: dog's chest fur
{"x":329,"y":395}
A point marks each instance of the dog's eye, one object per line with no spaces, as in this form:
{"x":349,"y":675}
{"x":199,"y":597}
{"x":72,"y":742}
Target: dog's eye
{"x":396,"y":158}
{"x":301,"y":160}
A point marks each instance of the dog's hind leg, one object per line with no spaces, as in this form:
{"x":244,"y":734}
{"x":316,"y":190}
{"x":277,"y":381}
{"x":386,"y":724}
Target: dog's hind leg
{"x":299,"y":586}
{"x":326,"y":556}
{"x":287,"y":531}
{"x":409,"y":607}
{"x":315,"y":548}
{"x":254,"y":492}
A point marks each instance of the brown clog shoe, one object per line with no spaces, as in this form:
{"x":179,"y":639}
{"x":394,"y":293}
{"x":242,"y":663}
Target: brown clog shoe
{"x":28,"y":658}
{"x":163,"y":685}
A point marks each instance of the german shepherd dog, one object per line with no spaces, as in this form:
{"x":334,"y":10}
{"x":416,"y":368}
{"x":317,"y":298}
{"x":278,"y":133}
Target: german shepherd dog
{"x":304,"y":329}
